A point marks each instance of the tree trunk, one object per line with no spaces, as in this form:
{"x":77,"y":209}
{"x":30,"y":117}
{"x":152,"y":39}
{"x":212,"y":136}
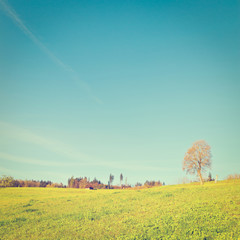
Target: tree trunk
{"x":200,"y":176}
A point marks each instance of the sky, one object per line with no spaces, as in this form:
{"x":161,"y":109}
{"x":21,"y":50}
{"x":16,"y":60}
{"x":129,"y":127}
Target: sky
{"x":89,"y":88}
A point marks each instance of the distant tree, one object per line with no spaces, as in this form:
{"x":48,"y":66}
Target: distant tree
{"x":210,"y":177}
{"x":71,"y":182}
{"x":147,"y":183}
{"x":7,"y":181}
{"x":111,"y":178}
{"x":197,"y":159}
{"x":121,"y":179}
{"x":95,"y":180}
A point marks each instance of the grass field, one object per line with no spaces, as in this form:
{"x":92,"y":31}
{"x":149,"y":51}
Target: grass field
{"x":186,"y":211}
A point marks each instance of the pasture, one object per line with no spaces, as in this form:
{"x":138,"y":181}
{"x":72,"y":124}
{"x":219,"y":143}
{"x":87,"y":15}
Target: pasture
{"x":189,"y":211}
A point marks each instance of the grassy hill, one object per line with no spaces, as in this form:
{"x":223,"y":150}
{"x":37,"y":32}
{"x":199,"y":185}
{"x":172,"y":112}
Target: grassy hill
{"x":185,"y":211}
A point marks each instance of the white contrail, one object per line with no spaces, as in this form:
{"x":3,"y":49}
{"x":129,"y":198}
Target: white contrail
{"x":13,"y":15}
{"x":23,"y":135}
{"x":10,"y":157}
{"x":74,"y":157}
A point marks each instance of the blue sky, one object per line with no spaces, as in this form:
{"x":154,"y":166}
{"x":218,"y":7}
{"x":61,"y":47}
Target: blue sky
{"x":89,"y":88}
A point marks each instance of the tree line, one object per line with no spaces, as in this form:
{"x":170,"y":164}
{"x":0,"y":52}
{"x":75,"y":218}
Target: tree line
{"x":8,"y":181}
{"x":84,"y":182}
{"x":78,"y":182}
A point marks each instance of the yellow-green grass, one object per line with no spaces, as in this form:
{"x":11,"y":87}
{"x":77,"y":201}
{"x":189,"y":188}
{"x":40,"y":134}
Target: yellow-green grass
{"x":185,"y":211}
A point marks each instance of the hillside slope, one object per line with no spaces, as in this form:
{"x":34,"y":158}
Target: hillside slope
{"x":185,"y":211}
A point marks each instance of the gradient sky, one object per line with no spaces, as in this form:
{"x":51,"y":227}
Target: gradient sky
{"x":89,"y":88}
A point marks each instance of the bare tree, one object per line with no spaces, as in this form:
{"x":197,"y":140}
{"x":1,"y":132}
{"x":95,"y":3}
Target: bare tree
{"x":121,"y":179}
{"x":111,"y":178}
{"x":197,"y":159}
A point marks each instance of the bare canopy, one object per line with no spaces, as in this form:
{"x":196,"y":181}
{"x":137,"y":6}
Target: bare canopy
{"x":197,"y":159}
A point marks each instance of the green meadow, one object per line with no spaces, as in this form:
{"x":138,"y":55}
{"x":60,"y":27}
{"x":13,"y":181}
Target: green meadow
{"x":188,"y":211}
